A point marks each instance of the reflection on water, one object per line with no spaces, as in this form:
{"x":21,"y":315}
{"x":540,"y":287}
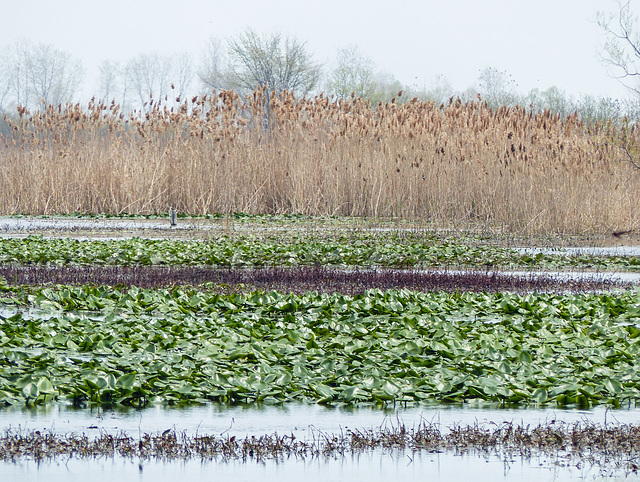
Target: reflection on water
{"x":584,"y":251}
{"x":119,"y":228}
{"x":298,"y":418}
{"x":303,"y":420}
{"x":563,"y":276}
{"x":370,"y":467}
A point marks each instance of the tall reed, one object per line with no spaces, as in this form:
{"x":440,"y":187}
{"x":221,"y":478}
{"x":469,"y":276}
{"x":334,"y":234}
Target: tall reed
{"x":459,"y":165}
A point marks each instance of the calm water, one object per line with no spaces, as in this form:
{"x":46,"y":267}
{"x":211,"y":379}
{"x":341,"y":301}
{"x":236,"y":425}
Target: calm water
{"x":586,"y":251}
{"x":303,"y":420}
{"x":368,"y":467}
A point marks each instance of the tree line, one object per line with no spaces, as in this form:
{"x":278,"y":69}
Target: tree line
{"x":36,"y":74}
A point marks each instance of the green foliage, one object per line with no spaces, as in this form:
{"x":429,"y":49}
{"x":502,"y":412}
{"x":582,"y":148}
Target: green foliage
{"x":103,"y":346}
{"x":355,"y":249}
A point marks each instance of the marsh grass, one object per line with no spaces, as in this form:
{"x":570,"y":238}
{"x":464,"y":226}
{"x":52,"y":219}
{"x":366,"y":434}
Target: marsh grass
{"x":460,"y":165}
{"x":609,"y":447}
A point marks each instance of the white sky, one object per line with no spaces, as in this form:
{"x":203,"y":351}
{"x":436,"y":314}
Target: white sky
{"x":541,"y":43}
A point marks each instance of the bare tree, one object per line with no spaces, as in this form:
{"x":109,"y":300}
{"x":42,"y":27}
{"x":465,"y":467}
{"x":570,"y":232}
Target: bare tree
{"x":213,"y":72}
{"x":110,"y":80}
{"x":53,"y":75}
{"x":14,"y":74}
{"x":439,"y":90}
{"x":621,"y":55}
{"x":497,"y":87}
{"x":182,"y":73}
{"x":5,"y":88}
{"x":149,"y":75}
{"x":354,"y":72}
{"x":621,"y":51}
{"x":34,"y":75}
{"x":276,"y":62}
{"x":152,"y":76}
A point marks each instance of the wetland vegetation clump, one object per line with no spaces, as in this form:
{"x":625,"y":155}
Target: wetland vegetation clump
{"x":457,"y":165}
{"x":102,"y":346}
{"x":299,"y":280}
{"x":359,"y":249}
{"x":610,"y":447}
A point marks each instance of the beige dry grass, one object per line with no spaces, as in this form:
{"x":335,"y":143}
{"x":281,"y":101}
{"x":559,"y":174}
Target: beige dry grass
{"x":452,"y":166}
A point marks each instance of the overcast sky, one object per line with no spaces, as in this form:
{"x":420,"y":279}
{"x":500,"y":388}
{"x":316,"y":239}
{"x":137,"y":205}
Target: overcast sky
{"x":541,"y":43}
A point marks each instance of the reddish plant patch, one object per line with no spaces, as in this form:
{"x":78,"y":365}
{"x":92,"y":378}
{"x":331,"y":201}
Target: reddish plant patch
{"x":298,"y":280}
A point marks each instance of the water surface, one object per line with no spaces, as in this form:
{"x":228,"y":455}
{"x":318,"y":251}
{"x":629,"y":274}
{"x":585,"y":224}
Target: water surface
{"x":305,"y":421}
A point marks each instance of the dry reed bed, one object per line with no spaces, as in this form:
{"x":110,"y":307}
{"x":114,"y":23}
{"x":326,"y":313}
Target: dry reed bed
{"x":454,"y":166}
{"x":610,"y":446}
{"x":298,"y":280}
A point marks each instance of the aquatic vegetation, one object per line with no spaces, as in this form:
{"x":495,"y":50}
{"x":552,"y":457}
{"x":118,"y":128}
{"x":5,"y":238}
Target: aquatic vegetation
{"x":298,"y":280}
{"x":99,"y":345}
{"x":613,"y":446}
{"x":345,"y":250}
{"x":357,"y":249}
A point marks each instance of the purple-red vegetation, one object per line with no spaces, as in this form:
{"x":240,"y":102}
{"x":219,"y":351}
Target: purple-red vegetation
{"x":297,"y":280}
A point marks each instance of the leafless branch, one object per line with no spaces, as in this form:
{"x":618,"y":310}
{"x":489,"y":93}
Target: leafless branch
{"x":630,"y":158}
{"x":622,"y":49}
{"x":274,"y":61}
